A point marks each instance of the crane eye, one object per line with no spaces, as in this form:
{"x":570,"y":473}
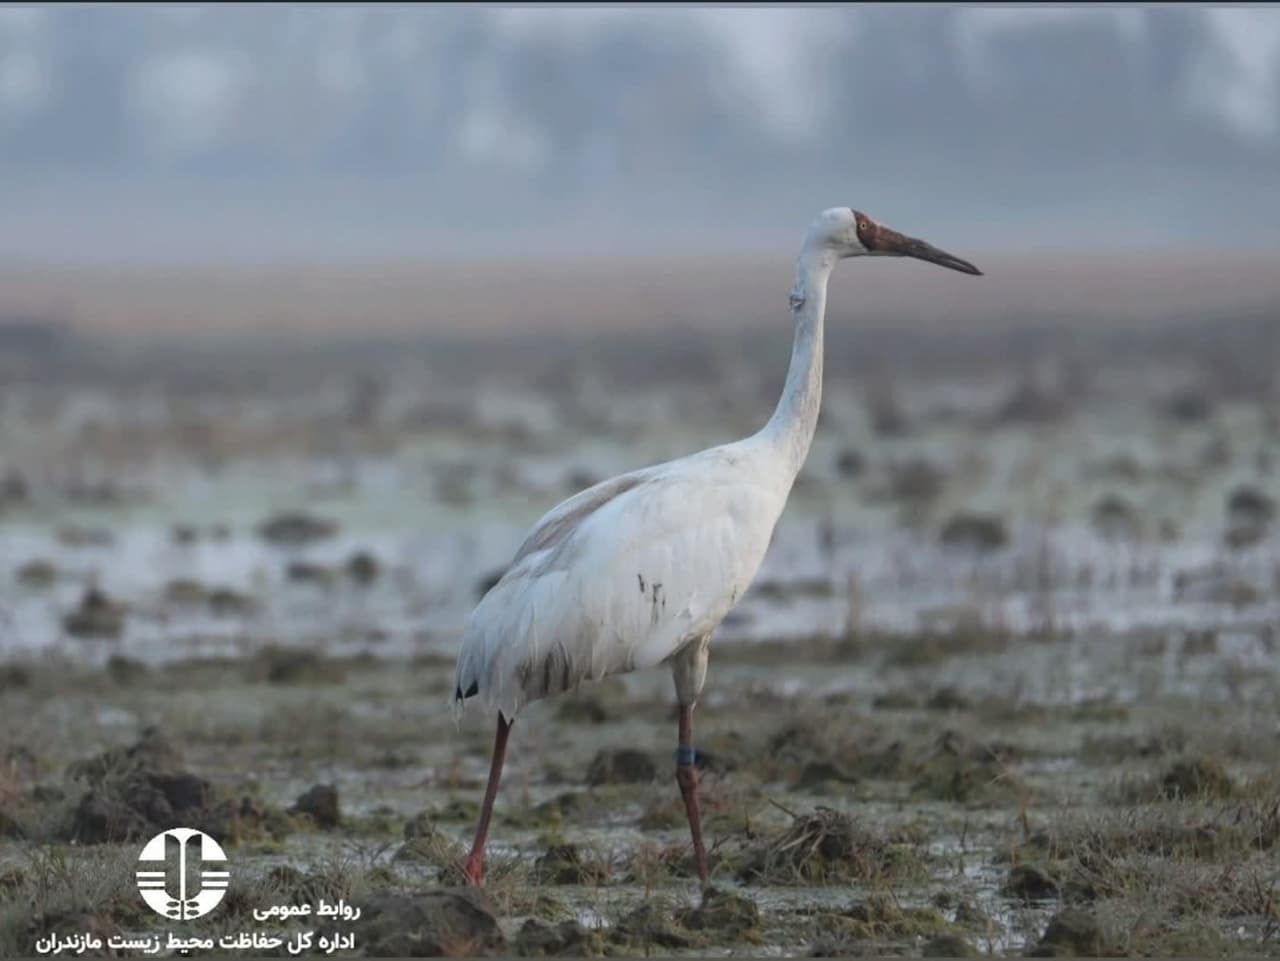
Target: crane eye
{"x":863,"y":226}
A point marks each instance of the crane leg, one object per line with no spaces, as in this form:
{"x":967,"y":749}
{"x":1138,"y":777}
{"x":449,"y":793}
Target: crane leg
{"x":687,"y":778}
{"x":474,"y":869}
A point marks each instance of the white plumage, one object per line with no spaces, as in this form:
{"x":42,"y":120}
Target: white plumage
{"x":624,"y":576}
{"x":639,"y":570}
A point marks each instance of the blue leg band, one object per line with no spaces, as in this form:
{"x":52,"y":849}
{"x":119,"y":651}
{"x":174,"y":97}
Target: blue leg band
{"x":684,"y":756}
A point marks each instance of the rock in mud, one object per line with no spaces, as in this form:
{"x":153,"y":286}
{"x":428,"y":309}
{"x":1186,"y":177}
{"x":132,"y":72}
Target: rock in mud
{"x":320,"y":803}
{"x":97,"y":616}
{"x":1071,"y":933}
{"x":568,"y":939}
{"x":1030,"y":882}
{"x":1198,"y":778}
{"x":565,"y":864}
{"x":448,"y":922}
{"x":621,"y":766}
{"x":293,"y":529}
{"x":975,"y":532}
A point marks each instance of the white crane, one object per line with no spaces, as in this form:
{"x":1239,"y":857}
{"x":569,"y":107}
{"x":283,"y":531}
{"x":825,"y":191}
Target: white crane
{"x":639,"y":570}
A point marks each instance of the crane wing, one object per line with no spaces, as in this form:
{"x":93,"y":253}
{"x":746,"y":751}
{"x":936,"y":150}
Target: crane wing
{"x":617,"y":578}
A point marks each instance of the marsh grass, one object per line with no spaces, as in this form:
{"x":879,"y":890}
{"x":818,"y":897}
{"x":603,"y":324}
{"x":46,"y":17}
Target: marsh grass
{"x":827,"y":847}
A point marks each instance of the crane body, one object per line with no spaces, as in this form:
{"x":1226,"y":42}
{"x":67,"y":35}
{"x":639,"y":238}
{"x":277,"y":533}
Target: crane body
{"x":639,"y":570}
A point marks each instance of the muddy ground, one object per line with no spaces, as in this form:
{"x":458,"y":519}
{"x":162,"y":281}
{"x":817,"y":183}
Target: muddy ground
{"x":1007,"y":683}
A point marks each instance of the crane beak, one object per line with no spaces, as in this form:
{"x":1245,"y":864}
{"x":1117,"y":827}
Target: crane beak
{"x":899,"y":245}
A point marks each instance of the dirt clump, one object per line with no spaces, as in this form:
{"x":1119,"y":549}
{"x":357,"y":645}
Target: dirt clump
{"x":652,"y":925}
{"x":1249,"y":514}
{"x":295,"y":528}
{"x":1201,"y":777}
{"x":962,"y":770}
{"x":821,"y":775}
{"x":564,"y":863}
{"x":320,"y":804}
{"x":137,"y":791}
{"x":429,"y":846}
{"x":307,"y":572}
{"x":363,"y":568}
{"x":226,"y":602}
{"x":1115,"y":518}
{"x":36,"y":573}
{"x":916,"y":481}
{"x":447,"y":922}
{"x":185,"y":591}
{"x":568,"y":939}
{"x":284,"y":665}
{"x":948,"y":946}
{"x":1073,"y":932}
{"x":10,"y":826}
{"x":97,"y":616}
{"x":975,"y":532}
{"x":727,"y":916}
{"x":827,"y":847}
{"x":1030,"y":882}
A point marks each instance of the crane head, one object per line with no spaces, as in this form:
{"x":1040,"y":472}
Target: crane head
{"x":851,"y":233}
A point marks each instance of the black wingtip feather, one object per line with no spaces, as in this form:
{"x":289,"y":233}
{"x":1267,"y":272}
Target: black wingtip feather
{"x":472,"y":691}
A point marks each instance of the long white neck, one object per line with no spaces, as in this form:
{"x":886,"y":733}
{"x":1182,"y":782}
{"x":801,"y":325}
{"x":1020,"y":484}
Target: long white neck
{"x":790,"y":430}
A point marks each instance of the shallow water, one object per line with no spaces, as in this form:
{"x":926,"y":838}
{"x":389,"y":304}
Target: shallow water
{"x":1098,"y":638}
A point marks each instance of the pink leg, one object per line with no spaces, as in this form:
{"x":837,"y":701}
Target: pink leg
{"x":474,"y":869}
{"x":687,"y":778}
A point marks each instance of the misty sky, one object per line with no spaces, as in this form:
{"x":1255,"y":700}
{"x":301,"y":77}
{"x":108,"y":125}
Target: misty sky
{"x":140,"y":132}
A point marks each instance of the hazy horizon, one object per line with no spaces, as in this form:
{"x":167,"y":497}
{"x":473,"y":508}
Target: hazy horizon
{"x":622,"y":294}
{"x":135,"y":135}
